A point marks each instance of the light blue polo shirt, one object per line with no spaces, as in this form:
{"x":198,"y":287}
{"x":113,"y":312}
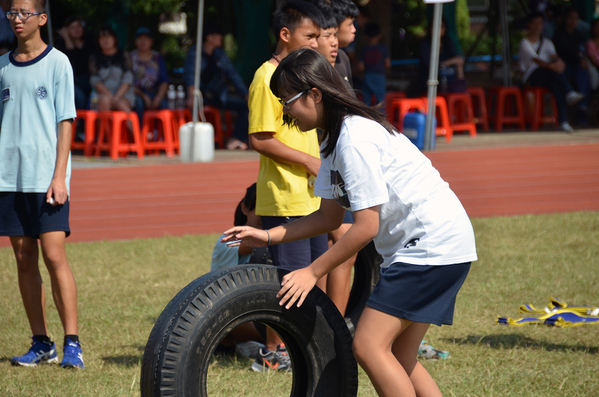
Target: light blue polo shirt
{"x":36,"y":96}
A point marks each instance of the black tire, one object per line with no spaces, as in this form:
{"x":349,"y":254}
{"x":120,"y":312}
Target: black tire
{"x":367,"y":272}
{"x":180,"y":346}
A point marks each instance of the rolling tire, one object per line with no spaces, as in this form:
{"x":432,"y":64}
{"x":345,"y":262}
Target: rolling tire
{"x":367,"y":272}
{"x":180,"y":346}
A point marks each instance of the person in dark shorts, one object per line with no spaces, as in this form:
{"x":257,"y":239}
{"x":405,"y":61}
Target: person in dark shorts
{"x":36,"y":120}
{"x":398,"y":199}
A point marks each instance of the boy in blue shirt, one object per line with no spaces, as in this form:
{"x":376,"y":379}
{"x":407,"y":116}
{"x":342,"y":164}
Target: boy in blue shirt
{"x":36,"y":118}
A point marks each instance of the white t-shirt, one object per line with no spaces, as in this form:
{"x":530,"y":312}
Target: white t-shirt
{"x":530,"y":51}
{"x":36,"y":95}
{"x":421,"y":221}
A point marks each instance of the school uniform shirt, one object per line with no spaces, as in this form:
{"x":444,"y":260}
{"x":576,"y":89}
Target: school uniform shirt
{"x":421,"y":221}
{"x":36,"y":96}
{"x":530,"y":51}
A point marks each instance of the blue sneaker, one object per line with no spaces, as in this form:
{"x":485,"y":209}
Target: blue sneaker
{"x":73,"y":356}
{"x":39,"y":353}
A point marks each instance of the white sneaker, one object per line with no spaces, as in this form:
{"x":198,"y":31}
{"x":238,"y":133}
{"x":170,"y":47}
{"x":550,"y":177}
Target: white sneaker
{"x":574,"y":97}
{"x":565,"y":126}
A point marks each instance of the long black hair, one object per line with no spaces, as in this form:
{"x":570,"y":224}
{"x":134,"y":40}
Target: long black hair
{"x":305,"y":69}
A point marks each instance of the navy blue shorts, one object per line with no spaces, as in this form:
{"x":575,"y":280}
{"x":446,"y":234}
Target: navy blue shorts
{"x":28,"y":215}
{"x":348,"y":217}
{"x":296,"y":254}
{"x":424,"y":294}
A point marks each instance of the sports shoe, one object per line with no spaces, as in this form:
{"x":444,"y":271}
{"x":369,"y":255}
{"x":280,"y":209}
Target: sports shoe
{"x":39,"y":353}
{"x":73,"y":356}
{"x":573,"y":97}
{"x":248,"y":349}
{"x":430,"y":353}
{"x":272,"y":361}
{"x":565,"y":126}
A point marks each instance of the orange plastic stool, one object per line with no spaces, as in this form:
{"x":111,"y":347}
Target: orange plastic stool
{"x":398,"y":108}
{"x":498,"y":98}
{"x":390,"y":97}
{"x":180,"y":117}
{"x":89,"y":119}
{"x":479,"y":107}
{"x":161,"y":121}
{"x":114,"y":139}
{"x":536,"y":100}
{"x":213,"y":117}
{"x":443,"y":126}
{"x":461,"y":115}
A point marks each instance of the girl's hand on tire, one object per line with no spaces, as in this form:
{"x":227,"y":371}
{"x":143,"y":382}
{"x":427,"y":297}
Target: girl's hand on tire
{"x":247,"y":236}
{"x":296,"y":286}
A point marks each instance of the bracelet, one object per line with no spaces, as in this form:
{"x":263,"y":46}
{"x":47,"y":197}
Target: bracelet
{"x":268,"y":234}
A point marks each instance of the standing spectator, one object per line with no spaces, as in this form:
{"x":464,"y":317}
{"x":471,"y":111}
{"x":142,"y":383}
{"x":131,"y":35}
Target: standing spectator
{"x":150,"y":77}
{"x":542,"y":67}
{"x":592,"y":48}
{"x":217,"y":72}
{"x":289,"y":161}
{"x":7,"y":37}
{"x":111,"y":74}
{"x":78,"y":49}
{"x":570,"y":46}
{"x":36,"y":120}
{"x":328,"y":40}
{"x":451,"y":64}
{"x":345,"y":12}
{"x":375,"y":62}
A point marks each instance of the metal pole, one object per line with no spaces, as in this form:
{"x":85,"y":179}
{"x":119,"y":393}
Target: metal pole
{"x":196,"y":81}
{"x":433,"y":81}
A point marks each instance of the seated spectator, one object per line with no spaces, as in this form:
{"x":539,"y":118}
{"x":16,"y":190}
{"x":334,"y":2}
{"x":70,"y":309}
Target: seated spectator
{"x":111,"y":74}
{"x":150,"y":77}
{"x":217,"y":72}
{"x":374,"y":64}
{"x":451,"y":64}
{"x":78,"y":48}
{"x":592,"y":48}
{"x":570,"y":46}
{"x":542,"y":67}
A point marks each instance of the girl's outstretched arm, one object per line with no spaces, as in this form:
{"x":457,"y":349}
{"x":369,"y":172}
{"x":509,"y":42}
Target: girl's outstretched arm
{"x":296,"y":285}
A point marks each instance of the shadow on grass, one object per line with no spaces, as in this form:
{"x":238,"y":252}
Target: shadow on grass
{"x":127,"y":361}
{"x":502,"y":341}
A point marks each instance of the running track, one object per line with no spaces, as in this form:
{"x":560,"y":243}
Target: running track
{"x":124,"y":203}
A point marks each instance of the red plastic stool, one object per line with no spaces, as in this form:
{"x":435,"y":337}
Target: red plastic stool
{"x":461,"y":115}
{"x":162,"y":122}
{"x":479,"y":107}
{"x":89,"y":119}
{"x":506,"y":99}
{"x":536,"y":100}
{"x":441,"y":114}
{"x":180,"y":117}
{"x":398,"y":108}
{"x":390,"y":97}
{"x":114,"y":138}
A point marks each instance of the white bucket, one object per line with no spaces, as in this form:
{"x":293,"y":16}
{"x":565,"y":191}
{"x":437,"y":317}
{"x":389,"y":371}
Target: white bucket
{"x":203,"y":142}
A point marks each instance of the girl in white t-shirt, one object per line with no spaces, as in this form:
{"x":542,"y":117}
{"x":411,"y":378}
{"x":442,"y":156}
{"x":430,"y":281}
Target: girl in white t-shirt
{"x":398,"y":199}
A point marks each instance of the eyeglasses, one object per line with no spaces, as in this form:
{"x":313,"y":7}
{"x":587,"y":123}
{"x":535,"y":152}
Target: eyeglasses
{"x":23,"y":16}
{"x":286,"y":104}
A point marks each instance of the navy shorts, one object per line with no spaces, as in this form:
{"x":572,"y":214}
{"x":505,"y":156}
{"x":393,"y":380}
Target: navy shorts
{"x":424,"y":294}
{"x":348,"y":217}
{"x":28,"y":214}
{"x":296,"y":254}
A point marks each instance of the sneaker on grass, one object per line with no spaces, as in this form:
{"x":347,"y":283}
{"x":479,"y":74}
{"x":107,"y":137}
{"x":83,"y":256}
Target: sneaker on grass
{"x":272,"y":361}
{"x":248,"y":349}
{"x":565,"y":126}
{"x":39,"y":353}
{"x":428,"y":352}
{"x":73,"y":356}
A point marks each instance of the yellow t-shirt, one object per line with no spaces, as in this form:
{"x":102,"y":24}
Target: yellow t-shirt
{"x":282,"y":189}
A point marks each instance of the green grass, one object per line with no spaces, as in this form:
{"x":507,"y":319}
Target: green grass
{"x":123,"y":287}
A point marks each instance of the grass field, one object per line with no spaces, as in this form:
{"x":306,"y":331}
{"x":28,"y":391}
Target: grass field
{"x":123,"y":287}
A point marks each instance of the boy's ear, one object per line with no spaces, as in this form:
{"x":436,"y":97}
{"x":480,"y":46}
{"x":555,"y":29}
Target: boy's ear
{"x":43,"y":19}
{"x":285,"y":34}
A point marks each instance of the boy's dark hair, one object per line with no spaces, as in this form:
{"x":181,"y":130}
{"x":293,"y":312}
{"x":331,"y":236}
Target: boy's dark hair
{"x":108,"y":31}
{"x":344,"y":9}
{"x":249,"y":200}
{"x":292,"y":13}
{"x":329,"y":17}
{"x":372,"y":29}
{"x":211,"y":28}
{"x":305,"y":69}
{"x":40,"y":5}
{"x":73,"y":18}
{"x":534,"y":15}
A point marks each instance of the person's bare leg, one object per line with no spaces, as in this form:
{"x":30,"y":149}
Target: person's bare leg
{"x":30,"y":283}
{"x":64,"y":290}
{"x":272,"y":340}
{"x":376,"y":336}
{"x":405,"y":350}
